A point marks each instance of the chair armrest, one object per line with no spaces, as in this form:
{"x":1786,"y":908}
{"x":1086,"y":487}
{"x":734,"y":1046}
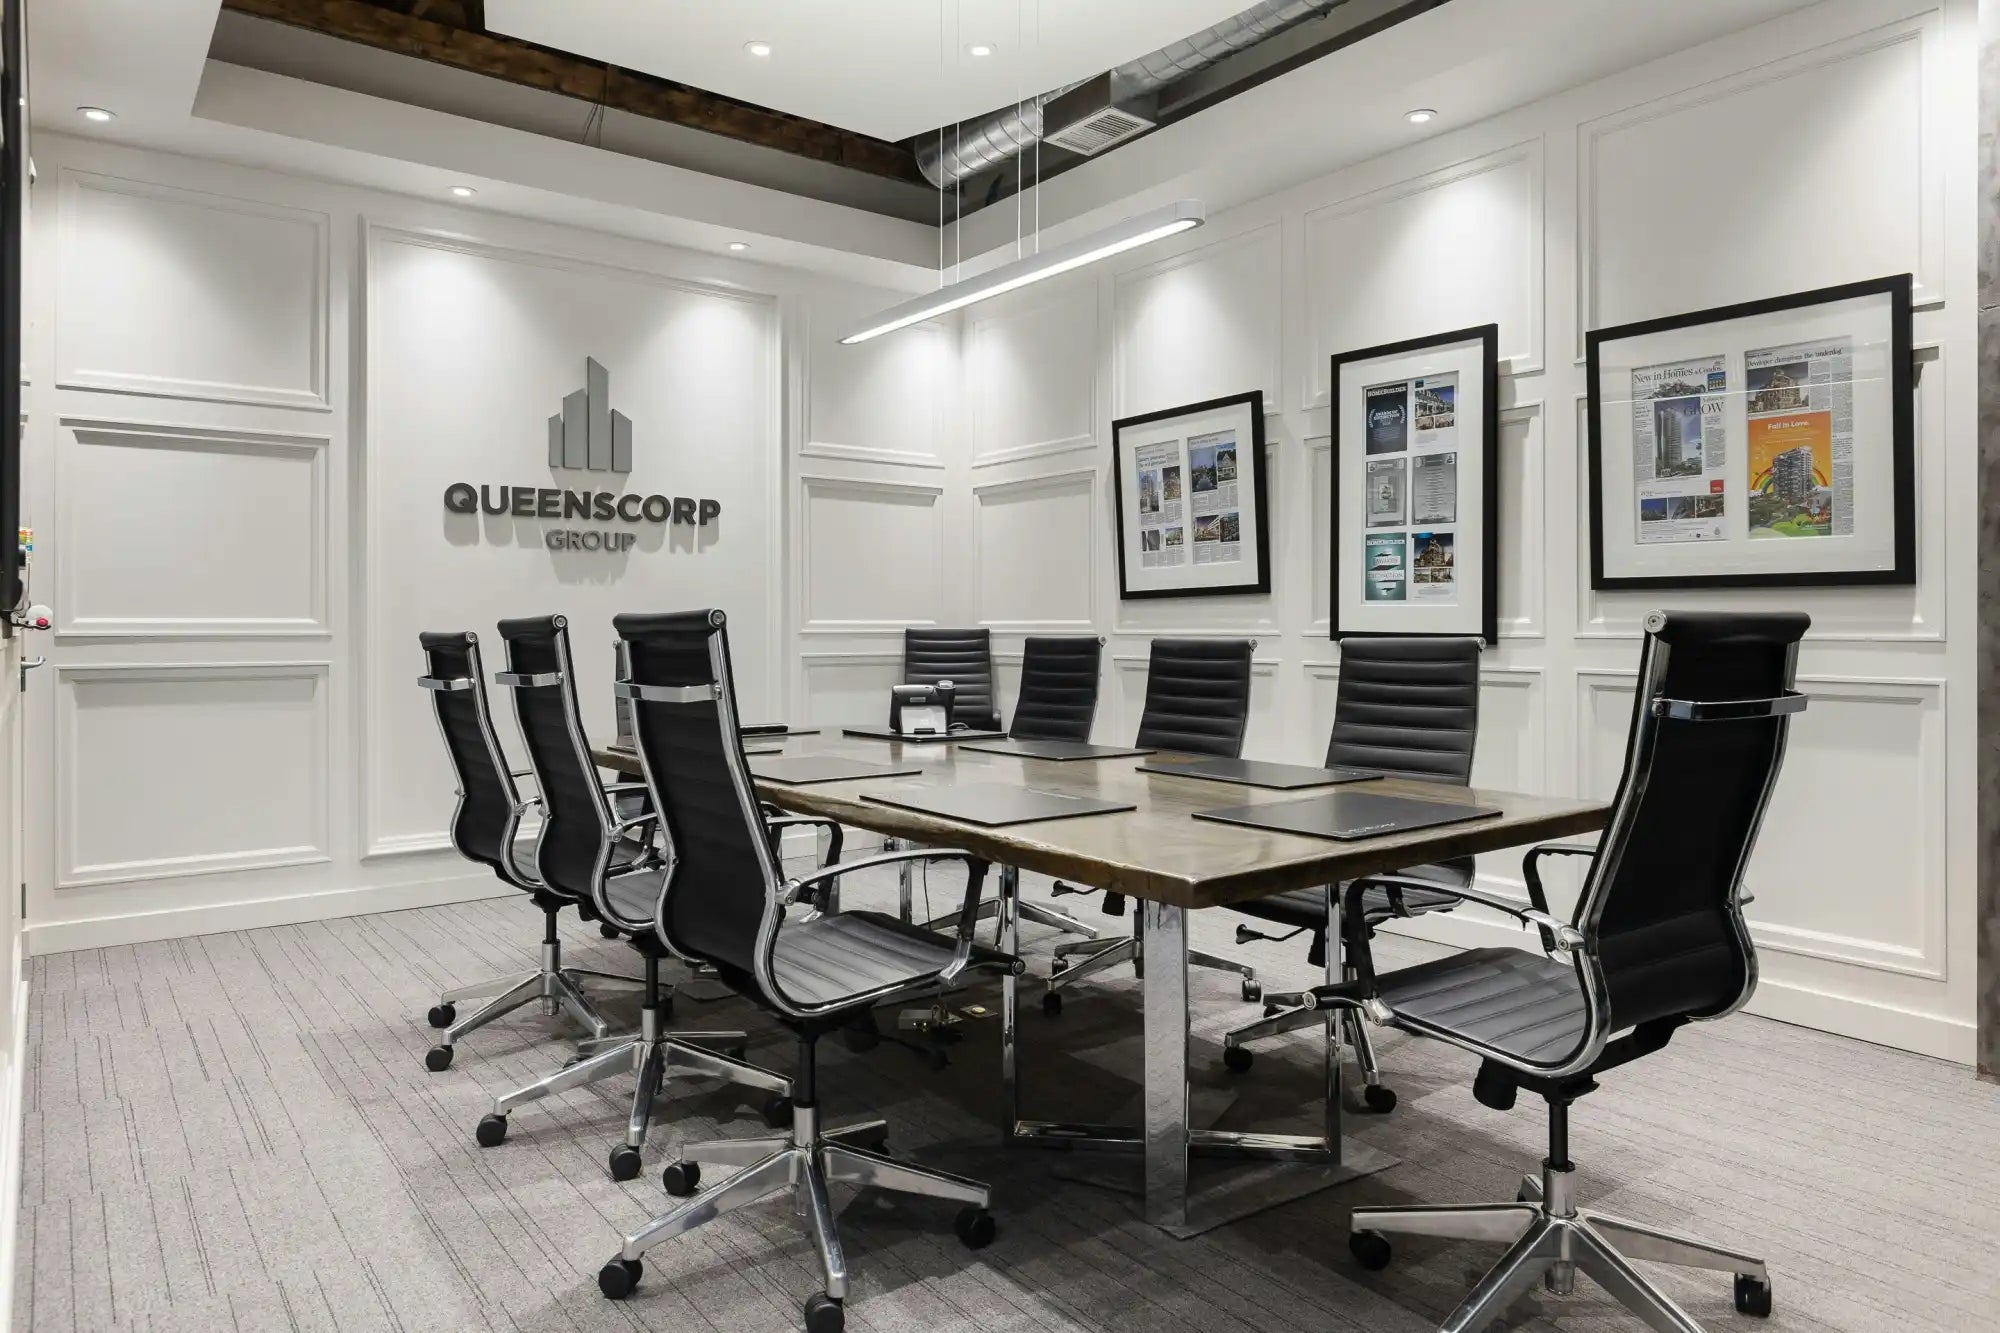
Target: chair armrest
{"x":1532,"y":874}
{"x":968,"y":919}
{"x":778,"y":823}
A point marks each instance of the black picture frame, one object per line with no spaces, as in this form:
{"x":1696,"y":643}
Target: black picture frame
{"x":1902,"y":443}
{"x":1488,"y":336}
{"x":1259,"y":499}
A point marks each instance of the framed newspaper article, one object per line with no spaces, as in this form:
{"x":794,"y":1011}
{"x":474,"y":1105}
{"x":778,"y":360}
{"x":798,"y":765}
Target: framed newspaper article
{"x":1189,"y":488}
{"x":1768,"y":444}
{"x":1416,"y":526}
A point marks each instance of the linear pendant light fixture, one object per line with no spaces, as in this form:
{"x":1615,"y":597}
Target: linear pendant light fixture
{"x":1143,"y":229}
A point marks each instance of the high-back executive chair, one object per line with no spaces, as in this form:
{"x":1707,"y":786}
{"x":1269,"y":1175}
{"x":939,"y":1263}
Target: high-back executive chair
{"x":1197,"y":702}
{"x":1058,"y":698}
{"x":965,"y":658}
{"x":726,"y":901}
{"x":486,"y":828}
{"x":589,"y":851}
{"x":1057,"y":702}
{"x":1657,"y":941}
{"x":1408,"y":707}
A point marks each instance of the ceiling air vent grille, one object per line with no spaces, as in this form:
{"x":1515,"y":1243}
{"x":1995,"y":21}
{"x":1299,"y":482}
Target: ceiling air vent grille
{"x":1110,"y":126}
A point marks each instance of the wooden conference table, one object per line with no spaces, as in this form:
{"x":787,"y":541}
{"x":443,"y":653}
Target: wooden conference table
{"x":1171,"y":864}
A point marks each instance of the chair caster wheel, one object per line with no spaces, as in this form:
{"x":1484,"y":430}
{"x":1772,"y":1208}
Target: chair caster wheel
{"x":437,"y":1058}
{"x":681,"y":1179}
{"x":443,"y":1015}
{"x":1052,"y":1003}
{"x":492,"y":1131}
{"x":1252,"y":991}
{"x":824,"y":1314}
{"x":619,"y":1278}
{"x":624,"y":1162}
{"x":1753,"y":1296}
{"x":777,"y":1111}
{"x":1238,"y":1059}
{"x":1378,"y":1099}
{"x":975,"y":1227}
{"x":607,"y":930}
{"x":1370,"y":1249}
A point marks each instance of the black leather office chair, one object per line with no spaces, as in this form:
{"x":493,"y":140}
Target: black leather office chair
{"x":1657,"y":941}
{"x":1058,"y":699}
{"x":587,"y":850}
{"x":726,"y":901}
{"x":965,"y":658}
{"x":1057,"y":702}
{"x":486,"y":828}
{"x":1408,"y":707}
{"x":1197,"y":702}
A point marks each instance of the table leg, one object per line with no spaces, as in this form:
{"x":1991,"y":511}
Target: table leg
{"x":1335,"y":970}
{"x":1007,"y":934}
{"x":1163,"y":940}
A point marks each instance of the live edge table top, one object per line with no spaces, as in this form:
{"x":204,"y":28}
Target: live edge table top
{"x":1155,"y":851}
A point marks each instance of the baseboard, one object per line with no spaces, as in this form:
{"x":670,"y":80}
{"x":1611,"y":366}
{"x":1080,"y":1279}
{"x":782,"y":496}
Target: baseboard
{"x":212,"y":918}
{"x":13,"y":1106}
{"x":1787,"y":1002}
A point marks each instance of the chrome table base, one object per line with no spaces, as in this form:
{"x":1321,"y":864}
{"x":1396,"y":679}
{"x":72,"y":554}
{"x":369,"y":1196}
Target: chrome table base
{"x":1099,"y":955}
{"x":1165,"y":1141}
{"x":1548,"y":1241}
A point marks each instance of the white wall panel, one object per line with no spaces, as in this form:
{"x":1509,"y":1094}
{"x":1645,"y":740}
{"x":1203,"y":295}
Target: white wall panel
{"x":1033,"y":544}
{"x":1199,"y":324}
{"x":1445,"y":250}
{"x":881,"y":401}
{"x":190,"y":769}
{"x":235,"y":521}
{"x":871,"y":556}
{"x":849,"y":687}
{"x":184,"y":294}
{"x":1724,"y":192}
{"x":1031,"y":375}
{"x":1523,"y":501}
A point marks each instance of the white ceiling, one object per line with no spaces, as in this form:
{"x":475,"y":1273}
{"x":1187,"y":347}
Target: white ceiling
{"x":889,"y":68}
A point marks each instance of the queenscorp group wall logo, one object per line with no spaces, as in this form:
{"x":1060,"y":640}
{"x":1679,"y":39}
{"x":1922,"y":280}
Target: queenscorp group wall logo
{"x":586,"y":436}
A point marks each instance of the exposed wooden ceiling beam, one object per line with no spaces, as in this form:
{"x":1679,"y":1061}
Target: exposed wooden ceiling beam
{"x":418,"y":31}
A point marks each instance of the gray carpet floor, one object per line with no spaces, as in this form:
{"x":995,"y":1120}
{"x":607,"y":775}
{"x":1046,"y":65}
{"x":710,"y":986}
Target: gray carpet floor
{"x":237,"y":1132}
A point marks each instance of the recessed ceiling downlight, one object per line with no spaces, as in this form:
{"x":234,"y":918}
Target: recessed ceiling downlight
{"x":979,"y":50}
{"x":463,"y":191}
{"x":96,"y":114}
{"x":739,"y":246}
{"x":758,"y":49}
{"x":1423,"y":115}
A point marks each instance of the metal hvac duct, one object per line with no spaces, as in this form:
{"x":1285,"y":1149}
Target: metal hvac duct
{"x":976,"y":145}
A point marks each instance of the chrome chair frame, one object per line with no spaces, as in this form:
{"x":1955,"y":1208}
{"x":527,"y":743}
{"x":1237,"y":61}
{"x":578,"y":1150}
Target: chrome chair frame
{"x":1549,"y":1238}
{"x":557,"y":987}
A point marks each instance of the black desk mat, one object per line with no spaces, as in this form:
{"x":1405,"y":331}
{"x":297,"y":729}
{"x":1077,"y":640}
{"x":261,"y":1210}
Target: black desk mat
{"x":995,"y":803}
{"x":1060,"y":751}
{"x":1347,"y":815}
{"x":946,"y":738}
{"x":1254,"y":773}
{"x":799,"y":769}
